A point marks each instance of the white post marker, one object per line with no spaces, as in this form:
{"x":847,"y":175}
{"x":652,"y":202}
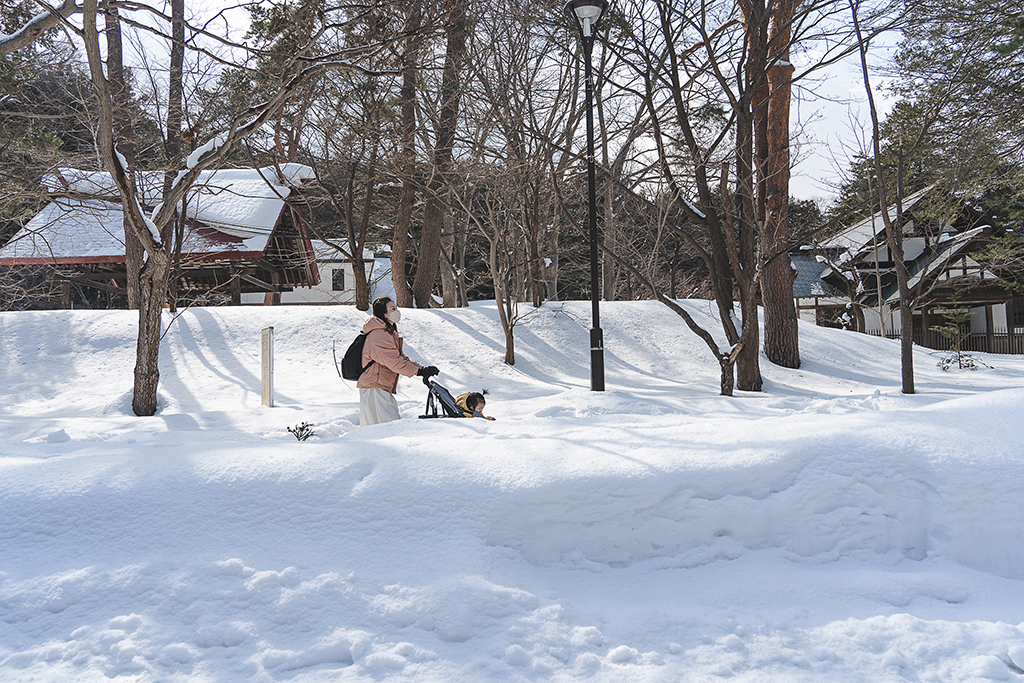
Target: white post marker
{"x":268,"y":367}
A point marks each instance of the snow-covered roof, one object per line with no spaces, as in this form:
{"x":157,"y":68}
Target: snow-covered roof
{"x":231,"y":211}
{"x":946,"y":251}
{"x":92,"y":231}
{"x":863,"y":233}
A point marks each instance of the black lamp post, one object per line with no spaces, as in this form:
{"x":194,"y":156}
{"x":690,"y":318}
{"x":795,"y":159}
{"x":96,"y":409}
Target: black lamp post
{"x":586,"y":14}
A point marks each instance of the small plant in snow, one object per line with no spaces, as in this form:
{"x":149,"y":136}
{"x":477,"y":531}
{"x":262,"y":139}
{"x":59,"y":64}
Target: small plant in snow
{"x":302,"y":431}
{"x":958,"y":322}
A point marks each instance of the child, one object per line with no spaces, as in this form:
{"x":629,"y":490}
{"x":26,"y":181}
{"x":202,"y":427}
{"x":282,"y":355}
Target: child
{"x":472,"y":404}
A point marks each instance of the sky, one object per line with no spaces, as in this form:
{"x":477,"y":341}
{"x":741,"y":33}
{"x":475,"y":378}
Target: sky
{"x":829,"y":114}
{"x":828,"y":528}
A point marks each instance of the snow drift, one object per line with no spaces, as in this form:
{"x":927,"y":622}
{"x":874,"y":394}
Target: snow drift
{"x":828,"y":528}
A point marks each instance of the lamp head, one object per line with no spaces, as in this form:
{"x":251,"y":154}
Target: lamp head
{"x":586,"y":14}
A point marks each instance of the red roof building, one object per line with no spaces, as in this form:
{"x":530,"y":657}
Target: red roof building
{"x":244,"y":232}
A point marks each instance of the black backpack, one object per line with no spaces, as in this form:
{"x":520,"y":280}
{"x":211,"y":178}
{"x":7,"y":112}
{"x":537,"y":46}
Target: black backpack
{"x":352,"y":363}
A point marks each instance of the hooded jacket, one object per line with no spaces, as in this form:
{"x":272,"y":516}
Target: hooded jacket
{"x":385,"y":349}
{"x":461,"y":401}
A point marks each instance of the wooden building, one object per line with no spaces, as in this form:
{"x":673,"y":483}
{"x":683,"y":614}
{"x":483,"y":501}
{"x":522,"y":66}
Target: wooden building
{"x":244,"y":232}
{"x":850,"y":278}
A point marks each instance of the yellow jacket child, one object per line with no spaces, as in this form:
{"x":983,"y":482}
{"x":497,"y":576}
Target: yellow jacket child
{"x":472,"y":404}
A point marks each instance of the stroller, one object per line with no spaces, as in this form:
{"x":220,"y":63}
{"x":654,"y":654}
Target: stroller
{"x":440,"y":402}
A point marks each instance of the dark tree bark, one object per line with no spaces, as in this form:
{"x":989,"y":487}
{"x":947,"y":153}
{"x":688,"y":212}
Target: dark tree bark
{"x":172,"y":144}
{"x":125,"y":144}
{"x":436,"y":204}
{"x":781,"y":339}
{"x":407,"y":158}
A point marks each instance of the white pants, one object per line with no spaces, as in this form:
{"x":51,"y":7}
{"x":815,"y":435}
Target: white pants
{"x":377,"y":406}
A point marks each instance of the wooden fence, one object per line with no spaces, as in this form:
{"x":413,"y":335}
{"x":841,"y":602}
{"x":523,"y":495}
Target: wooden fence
{"x":997,"y":341}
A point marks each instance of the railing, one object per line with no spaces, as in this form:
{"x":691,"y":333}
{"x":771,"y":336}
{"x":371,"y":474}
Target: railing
{"x":998,"y":341}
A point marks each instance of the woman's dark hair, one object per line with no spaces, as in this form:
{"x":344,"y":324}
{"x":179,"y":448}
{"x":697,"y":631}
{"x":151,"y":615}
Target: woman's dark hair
{"x":475,"y":399}
{"x":380,"y":307}
{"x":380,"y":310}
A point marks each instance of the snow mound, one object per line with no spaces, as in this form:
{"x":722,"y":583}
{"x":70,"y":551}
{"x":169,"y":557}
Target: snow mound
{"x":827,"y":528}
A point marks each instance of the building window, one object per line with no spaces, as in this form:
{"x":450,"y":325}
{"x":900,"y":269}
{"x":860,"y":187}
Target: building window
{"x":1018,"y":311}
{"x":338,"y":279}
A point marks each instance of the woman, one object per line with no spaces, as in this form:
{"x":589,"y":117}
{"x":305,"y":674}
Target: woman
{"x":383,"y":347}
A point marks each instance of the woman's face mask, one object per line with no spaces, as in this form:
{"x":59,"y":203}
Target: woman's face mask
{"x":394,"y":316}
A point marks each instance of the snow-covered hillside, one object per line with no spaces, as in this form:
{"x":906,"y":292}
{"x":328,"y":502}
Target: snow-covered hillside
{"x":827,"y":529}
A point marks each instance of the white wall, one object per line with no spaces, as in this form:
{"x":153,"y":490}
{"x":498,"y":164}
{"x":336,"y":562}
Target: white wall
{"x":324,"y":293}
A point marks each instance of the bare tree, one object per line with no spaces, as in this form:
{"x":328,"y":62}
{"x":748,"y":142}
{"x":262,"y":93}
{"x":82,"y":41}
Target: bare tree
{"x":123,"y":132}
{"x":154,"y":231}
{"x":894,"y":227}
{"x":771,"y":128}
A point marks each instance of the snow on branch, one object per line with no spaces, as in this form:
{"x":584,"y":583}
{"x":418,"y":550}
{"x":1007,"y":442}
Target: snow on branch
{"x":243,"y":125}
{"x":37,"y":26}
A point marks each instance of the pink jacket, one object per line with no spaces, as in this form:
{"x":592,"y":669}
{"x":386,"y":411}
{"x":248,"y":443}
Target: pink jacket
{"x":385,"y":349}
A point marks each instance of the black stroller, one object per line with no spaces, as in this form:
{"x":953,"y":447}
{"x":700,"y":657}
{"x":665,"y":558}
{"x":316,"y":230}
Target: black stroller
{"x":440,"y":402}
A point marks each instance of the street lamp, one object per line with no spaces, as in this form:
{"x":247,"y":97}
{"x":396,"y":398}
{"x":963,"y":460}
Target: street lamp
{"x":586,"y":14}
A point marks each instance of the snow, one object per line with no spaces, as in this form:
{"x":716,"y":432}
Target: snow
{"x":211,"y":145}
{"x":70,"y":227}
{"x":242,"y":204}
{"x":70,"y":230}
{"x":829,"y":528}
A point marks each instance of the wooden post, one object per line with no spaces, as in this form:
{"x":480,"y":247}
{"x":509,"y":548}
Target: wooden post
{"x":236,"y":288}
{"x":990,"y":338}
{"x":1011,"y":345}
{"x":267,"y":367}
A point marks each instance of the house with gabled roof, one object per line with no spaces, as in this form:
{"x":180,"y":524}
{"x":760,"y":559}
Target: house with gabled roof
{"x":243,"y":232}
{"x":850,"y":278}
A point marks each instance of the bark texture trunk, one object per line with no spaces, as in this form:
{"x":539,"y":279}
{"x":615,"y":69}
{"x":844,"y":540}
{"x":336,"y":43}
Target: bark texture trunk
{"x":172,"y":144}
{"x":147,"y":351}
{"x":407,"y":159}
{"x":781,"y":339}
{"x":124,"y":135}
{"x":436,"y":205}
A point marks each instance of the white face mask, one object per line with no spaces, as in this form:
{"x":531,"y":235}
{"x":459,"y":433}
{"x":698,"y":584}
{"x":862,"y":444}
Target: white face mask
{"x":394,"y":316}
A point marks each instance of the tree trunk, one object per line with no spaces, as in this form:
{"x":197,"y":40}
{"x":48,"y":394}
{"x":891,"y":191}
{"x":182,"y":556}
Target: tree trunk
{"x":172,"y":144}
{"x":407,"y":160}
{"x":124,"y":136}
{"x":430,"y":238}
{"x":151,"y":305}
{"x":533,"y":235}
{"x":727,"y":380}
{"x":500,"y":296}
{"x":449,"y":291}
{"x":748,"y":366}
{"x":781,"y":340}
{"x":362,"y":284}
{"x":461,"y":237}
{"x":357,"y":239}
{"x":893,"y":233}
{"x":906,"y":320}
{"x":609,"y":235}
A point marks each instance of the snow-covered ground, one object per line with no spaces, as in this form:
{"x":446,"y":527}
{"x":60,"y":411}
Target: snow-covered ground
{"x":827,"y":529}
